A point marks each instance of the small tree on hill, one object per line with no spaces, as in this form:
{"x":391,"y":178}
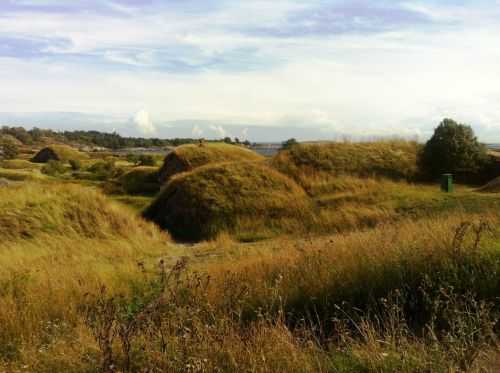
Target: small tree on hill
{"x":453,"y":149}
{"x":289,"y":143}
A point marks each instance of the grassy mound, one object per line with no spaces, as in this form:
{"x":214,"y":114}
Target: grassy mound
{"x":140,"y":180}
{"x":234,"y":197}
{"x":58,"y":153}
{"x":188,"y":157}
{"x":20,"y":175}
{"x":30,"y":210}
{"x":392,"y":159}
{"x":19,"y":164}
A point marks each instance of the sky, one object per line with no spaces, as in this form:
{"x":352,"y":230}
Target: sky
{"x":262,"y":70}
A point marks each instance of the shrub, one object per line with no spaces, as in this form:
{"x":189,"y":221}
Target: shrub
{"x":75,"y":164}
{"x":105,"y":170}
{"x":146,"y":160}
{"x":53,"y":168}
{"x":8,"y":149}
{"x":240,"y":198}
{"x":453,"y":149}
{"x":140,"y":180}
{"x":132,"y":158}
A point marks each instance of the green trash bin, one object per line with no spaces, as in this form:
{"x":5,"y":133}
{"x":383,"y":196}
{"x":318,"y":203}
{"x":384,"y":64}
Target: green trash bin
{"x":447,"y":183}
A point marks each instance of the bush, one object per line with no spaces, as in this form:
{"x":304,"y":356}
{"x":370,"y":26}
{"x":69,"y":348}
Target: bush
{"x":146,"y":160}
{"x":453,"y":149}
{"x":75,"y":164}
{"x":105,"y":170}
{"x":53,"y":168}
{"x":140,"y":180}
{"x":8,"y":149}
{"x":132,"y":158}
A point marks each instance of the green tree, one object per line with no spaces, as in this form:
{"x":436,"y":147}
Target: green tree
{"x":453,"y":149}
{"x":289,"y":143}
{"x":228,"y":140}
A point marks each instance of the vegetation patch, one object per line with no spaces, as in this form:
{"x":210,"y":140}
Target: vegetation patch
{"x":188,"y":157}
{"x":58,"y":153}
{"x":392,"y":159}
{"x":19,"y":164}
{"x":20,"y":175}
{"x":140,"y":180}
{"x":236,"y":197}
{"x":30,"y":210}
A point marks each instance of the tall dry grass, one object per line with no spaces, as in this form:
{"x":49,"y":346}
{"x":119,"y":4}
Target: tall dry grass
{"x":361,"y":301}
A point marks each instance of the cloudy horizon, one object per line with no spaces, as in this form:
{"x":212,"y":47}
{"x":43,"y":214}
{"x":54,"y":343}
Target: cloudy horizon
{"x":256,"y":69}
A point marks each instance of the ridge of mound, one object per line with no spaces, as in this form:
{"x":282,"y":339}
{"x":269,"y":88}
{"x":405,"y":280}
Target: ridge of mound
{"x":30,"y":210}
{"x":188,"y":157}
{"x":237,"y":197}
{"x":391,"y":159}
{"x":58,"y":153}
{"x":491,"y":187}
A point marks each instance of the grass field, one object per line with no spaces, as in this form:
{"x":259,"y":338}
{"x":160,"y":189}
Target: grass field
{"x":380,"y":275}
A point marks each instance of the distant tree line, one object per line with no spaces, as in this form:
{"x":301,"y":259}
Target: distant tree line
{"x":97,"y":138}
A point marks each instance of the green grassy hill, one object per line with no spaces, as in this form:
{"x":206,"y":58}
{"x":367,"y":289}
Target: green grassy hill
{"x":188,"y":157}
{"x":306,"y":163}
{"x":236,"y":197}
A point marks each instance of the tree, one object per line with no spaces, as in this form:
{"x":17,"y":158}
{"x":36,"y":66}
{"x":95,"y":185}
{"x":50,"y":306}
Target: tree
{"x":228,"y":140}
{"x":289,"y":143}
{"x":453,"y":149}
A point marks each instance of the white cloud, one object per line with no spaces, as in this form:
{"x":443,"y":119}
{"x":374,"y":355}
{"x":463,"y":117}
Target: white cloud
{"x":219,"y":131}
{"x":244,"y":134}
{"x":197,"y":131}
{"x":143,"y":122}
{"x":399,"y":82}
